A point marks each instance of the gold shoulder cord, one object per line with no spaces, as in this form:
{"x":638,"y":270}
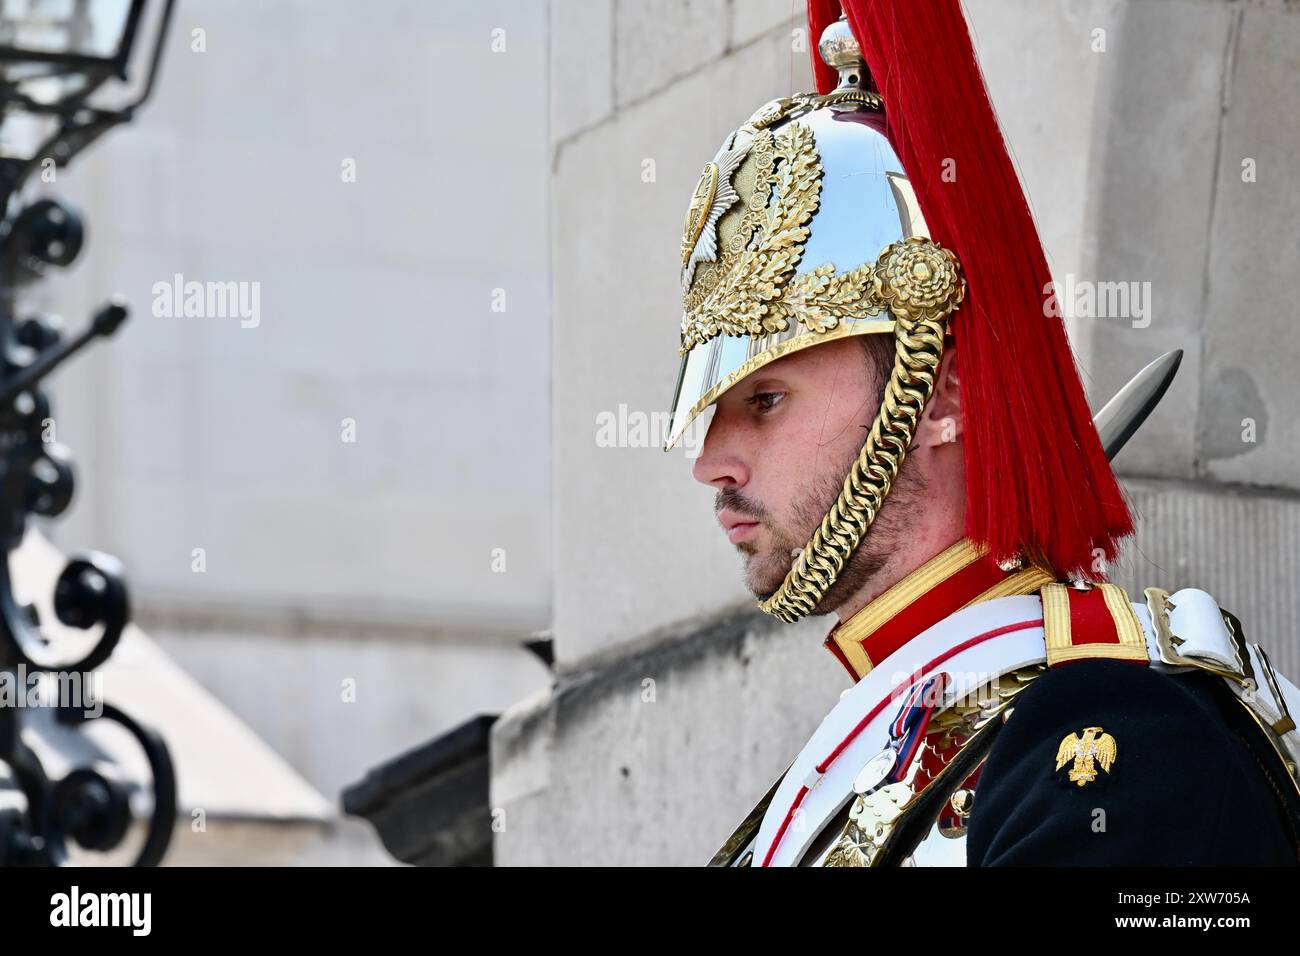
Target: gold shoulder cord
{"x":920,"y":283}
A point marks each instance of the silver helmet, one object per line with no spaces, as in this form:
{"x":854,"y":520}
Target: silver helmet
{"x":782,"y":250}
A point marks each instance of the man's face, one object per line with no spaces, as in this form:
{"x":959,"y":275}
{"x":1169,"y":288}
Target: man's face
{"x":778,"y":449}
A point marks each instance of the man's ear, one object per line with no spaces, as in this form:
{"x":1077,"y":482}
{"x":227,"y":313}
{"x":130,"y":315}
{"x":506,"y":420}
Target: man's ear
{"x":942,"y":423}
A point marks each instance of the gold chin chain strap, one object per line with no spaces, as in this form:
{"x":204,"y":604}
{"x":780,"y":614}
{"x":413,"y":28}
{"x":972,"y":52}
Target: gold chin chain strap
{"x":920,"y":283}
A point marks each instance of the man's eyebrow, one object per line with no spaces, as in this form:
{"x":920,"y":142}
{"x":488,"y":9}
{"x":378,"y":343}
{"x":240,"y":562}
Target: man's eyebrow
{"x":768,"y":384}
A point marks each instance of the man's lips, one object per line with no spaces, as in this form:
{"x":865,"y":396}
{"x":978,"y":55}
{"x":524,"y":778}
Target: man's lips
{"x":737,"y":526}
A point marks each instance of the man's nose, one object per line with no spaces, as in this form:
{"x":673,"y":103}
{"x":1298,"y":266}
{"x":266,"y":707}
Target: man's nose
{"x":720,"y":464}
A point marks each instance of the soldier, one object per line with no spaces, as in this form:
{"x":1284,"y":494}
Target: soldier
{"x":916,"y":455}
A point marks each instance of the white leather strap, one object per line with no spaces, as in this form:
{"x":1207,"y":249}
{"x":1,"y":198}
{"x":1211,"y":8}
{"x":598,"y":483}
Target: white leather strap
{"x":1200,"y":634}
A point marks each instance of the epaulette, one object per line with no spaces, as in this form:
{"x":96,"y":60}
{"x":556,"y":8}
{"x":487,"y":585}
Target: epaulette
{"x":1175,"y":634}
{"x":1086,"y":622}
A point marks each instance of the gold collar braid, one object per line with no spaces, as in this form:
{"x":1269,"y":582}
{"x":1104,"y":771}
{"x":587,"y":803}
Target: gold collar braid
{"x":920,"y":283}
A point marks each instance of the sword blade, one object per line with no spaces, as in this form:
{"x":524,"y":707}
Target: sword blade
{"x":1124,"y":414}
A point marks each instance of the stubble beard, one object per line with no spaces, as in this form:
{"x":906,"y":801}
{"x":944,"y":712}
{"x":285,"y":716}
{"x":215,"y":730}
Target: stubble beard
{"x":766,"y":570}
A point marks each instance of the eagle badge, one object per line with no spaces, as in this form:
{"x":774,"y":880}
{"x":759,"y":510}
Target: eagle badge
{"x":1094,"y":748}
{"x":713,"y":196}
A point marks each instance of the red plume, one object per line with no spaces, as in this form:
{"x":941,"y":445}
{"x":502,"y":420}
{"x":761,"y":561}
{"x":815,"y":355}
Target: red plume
{"x":1037,"y":479}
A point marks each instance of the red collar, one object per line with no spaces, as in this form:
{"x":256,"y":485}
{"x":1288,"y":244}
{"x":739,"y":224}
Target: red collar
{"x":960,"y":575}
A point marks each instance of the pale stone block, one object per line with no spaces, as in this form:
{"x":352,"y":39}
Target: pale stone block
{"x":750,"y":19}
{"x":582,"y":64}
{"x":1248,"y":430}
{"x":659,"y":41}
{"x":1152,"y":195}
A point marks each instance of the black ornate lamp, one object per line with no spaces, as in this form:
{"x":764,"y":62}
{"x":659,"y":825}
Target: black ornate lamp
{"x":58,"y":61}
{"x":62,"y":63}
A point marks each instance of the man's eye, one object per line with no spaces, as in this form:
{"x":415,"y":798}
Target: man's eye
{"x":765,"y":401}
